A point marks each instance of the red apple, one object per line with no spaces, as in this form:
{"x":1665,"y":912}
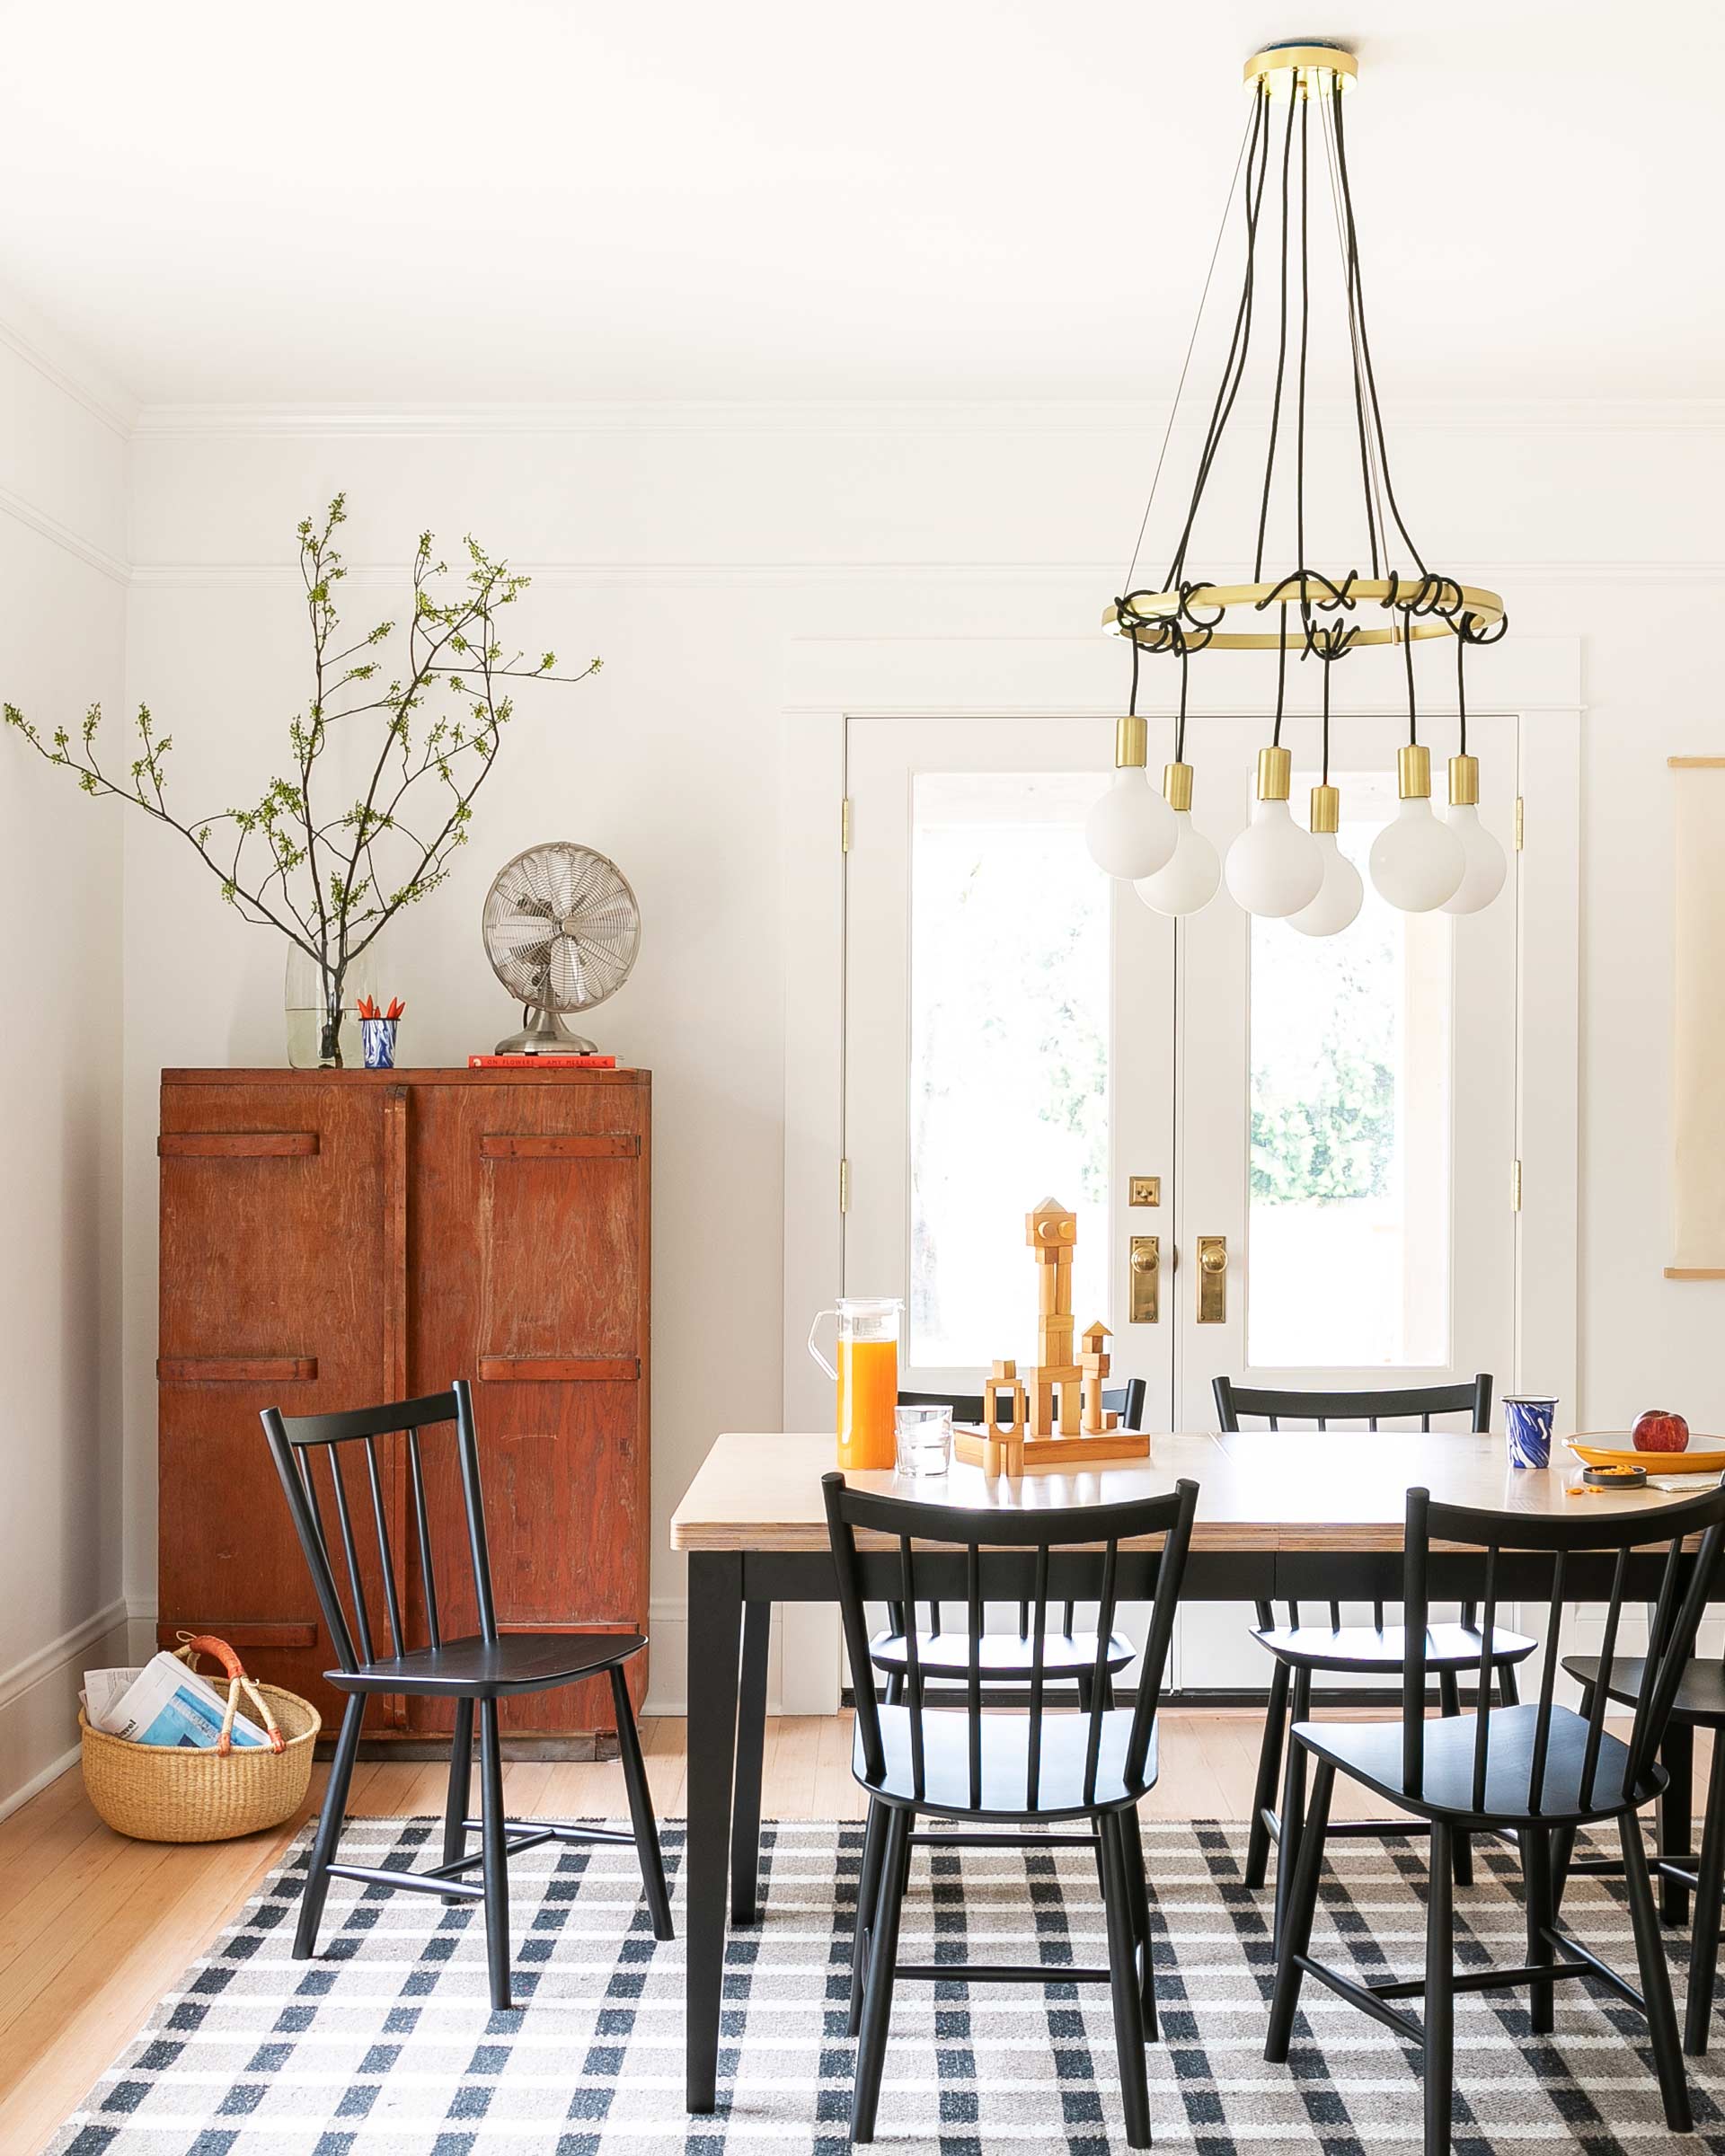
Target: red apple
{"x":1658,"y":1430}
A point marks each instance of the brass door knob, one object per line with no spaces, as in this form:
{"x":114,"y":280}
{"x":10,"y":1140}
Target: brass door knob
{"x":1145,"y":1261}
{"x":1215,"y":1258}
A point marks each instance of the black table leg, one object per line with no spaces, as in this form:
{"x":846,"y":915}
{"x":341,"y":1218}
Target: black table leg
{"x":715,"y":1629}
{"x":751,"y":1740}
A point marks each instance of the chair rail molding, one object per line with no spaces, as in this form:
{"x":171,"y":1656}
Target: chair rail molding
{"x":832,"y":682}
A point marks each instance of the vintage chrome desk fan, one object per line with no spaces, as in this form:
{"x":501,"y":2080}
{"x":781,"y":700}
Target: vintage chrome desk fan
{"x":561,"y":929}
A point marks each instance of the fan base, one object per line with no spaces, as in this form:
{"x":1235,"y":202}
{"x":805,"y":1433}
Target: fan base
{"x":545,"y":1034}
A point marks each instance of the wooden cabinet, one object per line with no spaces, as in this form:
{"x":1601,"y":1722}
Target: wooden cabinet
{"x":331,"y":1239}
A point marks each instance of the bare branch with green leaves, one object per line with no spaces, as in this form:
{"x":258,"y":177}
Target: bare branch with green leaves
{"x":331,"y":882}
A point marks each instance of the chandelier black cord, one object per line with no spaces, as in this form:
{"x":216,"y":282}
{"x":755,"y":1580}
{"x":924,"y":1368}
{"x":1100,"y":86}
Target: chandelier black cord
{"x":1180,"y":723}
{"x":1132,"y":700}
{"x":1191,"y":346}
{"x":1328,"y":662}
{"x":1365,"y":341}
{"x":1281,"y":682}
{"x":1305,"y":338}
{"x":1282,"y":361}
{"x":1240,"y":344}
{"x":1407,"y":653}
{"x":1368,"y":476}
{"x":1460,"y":681}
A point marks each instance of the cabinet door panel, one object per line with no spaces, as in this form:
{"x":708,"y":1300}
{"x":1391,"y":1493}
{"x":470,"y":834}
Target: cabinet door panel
{"x":527,"y":1258}
{"x":271,"y":1295}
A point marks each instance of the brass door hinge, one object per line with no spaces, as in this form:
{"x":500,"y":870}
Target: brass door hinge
{"x":1518,"y":823}
{"x":844,"y":826}
{"x":844,"y":1185}
{"x":1515,"y":1186}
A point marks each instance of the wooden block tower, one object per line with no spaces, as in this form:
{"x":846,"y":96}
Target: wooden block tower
{"x":1052,"y":1232}
{"x":1094,"y":1362}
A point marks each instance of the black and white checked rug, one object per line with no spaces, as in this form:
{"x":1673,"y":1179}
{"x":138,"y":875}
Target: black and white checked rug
{"x":387,"y":2045}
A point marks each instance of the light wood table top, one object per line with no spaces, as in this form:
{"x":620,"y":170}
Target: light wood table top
{"x":1260,"y":1489}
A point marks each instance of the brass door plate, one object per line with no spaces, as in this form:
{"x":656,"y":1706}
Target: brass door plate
{"x":1145,"y":1269}
{"x":1212,"y":1280}
{"x":1144,"y":1190}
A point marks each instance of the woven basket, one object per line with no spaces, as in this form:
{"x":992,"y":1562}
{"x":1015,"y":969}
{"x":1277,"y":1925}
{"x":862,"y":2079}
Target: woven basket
{"x":174,"y":1793}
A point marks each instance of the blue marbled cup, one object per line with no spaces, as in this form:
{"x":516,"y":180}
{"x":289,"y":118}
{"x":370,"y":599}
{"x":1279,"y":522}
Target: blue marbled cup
{"x":1528,"y":1424}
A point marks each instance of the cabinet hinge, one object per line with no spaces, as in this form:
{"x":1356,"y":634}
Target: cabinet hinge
{"x":844,"y":826}
{"x":844,"y":1185}
{"x":1518,"y":823}
{"x":1515,"y":1186}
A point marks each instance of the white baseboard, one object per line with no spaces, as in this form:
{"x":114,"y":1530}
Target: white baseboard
{"x":667,"y":1684}
{"x":39,"y":1702}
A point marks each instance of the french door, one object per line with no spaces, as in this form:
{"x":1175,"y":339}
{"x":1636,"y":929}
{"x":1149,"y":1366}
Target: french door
{"x":1290,"y":1158}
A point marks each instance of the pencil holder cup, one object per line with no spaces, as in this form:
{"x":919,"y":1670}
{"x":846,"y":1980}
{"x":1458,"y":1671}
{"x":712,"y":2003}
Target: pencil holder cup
{"x":378,"y":1037}
{"x":1527,"y":1427}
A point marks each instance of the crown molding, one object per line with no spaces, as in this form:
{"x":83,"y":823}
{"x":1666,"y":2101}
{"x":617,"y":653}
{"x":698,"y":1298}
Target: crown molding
{"x":116,"y":412}
{"x":932,"y":416}
{"x":25,"y":512}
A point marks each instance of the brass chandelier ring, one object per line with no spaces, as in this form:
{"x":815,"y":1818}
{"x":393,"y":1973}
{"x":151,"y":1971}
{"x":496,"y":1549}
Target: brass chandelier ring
{"x":1159,"y":621}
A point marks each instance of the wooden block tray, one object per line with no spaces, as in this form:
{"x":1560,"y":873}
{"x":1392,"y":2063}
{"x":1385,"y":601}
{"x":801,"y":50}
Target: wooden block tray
{"x":1063,"y":1455}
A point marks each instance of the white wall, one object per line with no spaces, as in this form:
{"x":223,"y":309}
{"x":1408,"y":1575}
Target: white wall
{"x":688,"y":545}
{"x":63,"y":501}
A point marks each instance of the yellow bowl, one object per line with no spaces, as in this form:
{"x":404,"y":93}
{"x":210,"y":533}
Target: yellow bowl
{"x":1697,"y":1458}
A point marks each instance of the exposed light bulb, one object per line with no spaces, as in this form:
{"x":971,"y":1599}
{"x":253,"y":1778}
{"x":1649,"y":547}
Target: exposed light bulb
{"x":1273,"y":867}
{"x":1341,"y":893}
{"x":1485,"y":865}
{"x":1130,"y":831}
{"x":1189,"y":879}
{"x":1416,"y":862}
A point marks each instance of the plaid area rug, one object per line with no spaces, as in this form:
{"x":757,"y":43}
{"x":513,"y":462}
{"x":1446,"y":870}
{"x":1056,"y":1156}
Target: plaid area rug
{"x":387,"y":2045}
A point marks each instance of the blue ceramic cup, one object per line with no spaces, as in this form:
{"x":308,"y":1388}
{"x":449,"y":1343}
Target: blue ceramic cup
{"x":1527,"y":1424}
{"x":377,"y":1036}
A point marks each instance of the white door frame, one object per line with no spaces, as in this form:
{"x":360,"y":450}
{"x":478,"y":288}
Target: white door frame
{"x":832,"y":682}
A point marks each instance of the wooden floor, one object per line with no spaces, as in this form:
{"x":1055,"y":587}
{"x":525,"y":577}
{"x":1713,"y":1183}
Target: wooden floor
{"x":94,"y":1929}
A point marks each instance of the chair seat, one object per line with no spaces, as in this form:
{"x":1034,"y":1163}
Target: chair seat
{"x":1003,"y":1793}
{"x":1363,"y":1647}
{"x":1371,"y":1752}
{"x":1005,"y":1657}
{"x":469,"y":1669}
{"x":1701,"y":1689}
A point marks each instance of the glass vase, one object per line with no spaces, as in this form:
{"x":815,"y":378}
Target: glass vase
{"x":322,"y":1037}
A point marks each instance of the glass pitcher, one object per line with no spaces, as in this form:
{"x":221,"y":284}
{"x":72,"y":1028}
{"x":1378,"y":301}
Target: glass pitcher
{"x":867,"y":1377}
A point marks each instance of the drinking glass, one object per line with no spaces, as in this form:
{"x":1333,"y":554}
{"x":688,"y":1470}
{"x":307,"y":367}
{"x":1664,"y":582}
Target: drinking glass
{"x":925,"y":1437}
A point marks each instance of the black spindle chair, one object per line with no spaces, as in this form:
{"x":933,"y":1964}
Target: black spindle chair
{"x":472,"y":1671}
{"x":1698,"y":1704}
{"x":1303,"y":1648}
{"x":1538,"y":1771}
{"x":1008,"y":1769}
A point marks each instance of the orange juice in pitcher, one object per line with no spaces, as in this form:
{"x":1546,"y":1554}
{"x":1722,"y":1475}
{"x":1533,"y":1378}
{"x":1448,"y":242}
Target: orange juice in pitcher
{"x":866,"y":1377}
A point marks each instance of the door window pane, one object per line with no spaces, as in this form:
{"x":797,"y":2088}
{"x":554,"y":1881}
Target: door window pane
{"x":1349,"y":1222}
{"x":1009,"y":1055}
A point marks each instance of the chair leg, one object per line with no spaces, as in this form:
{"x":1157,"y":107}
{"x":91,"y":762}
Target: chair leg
{"x":883,"y":1955}
{"x":1710,"y":1881}
{"x":1439,"y":2061}
{"x":1655,"y":1979}
{"x":1562,"y":1850}
{"x":1535,"y":1845}
{"x":1124,"y":1984}
{"x":328,"y":1829}
{"x":461,"y":1775}
{"x":1449,"y":1694}
{"x":1293,"y":1803}
{"x":1508,"y":1685}
{"x":641,"y":1808}
{"x":1302,"y":1905}
{"x":868,"y":1893}
{"x":1137,"y":1889}
{"x":1677,"y":1824}
{"x":1269,"y":1768}
{"x":494,"y":1844}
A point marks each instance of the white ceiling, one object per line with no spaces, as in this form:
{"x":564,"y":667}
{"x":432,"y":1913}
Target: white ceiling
{"x":423,"y":202}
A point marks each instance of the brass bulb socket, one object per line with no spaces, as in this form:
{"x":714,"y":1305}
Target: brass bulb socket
{"x":1463,"y":782}
{"x":1413,"y":770}
{"x":1177,"y":785}
{"x":1326,"y":809}
{"x":1275,"y":774}
{"x":1131,"y":743}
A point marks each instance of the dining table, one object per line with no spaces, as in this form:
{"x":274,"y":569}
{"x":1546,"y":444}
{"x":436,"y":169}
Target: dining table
{"x":1281,"y":1514}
